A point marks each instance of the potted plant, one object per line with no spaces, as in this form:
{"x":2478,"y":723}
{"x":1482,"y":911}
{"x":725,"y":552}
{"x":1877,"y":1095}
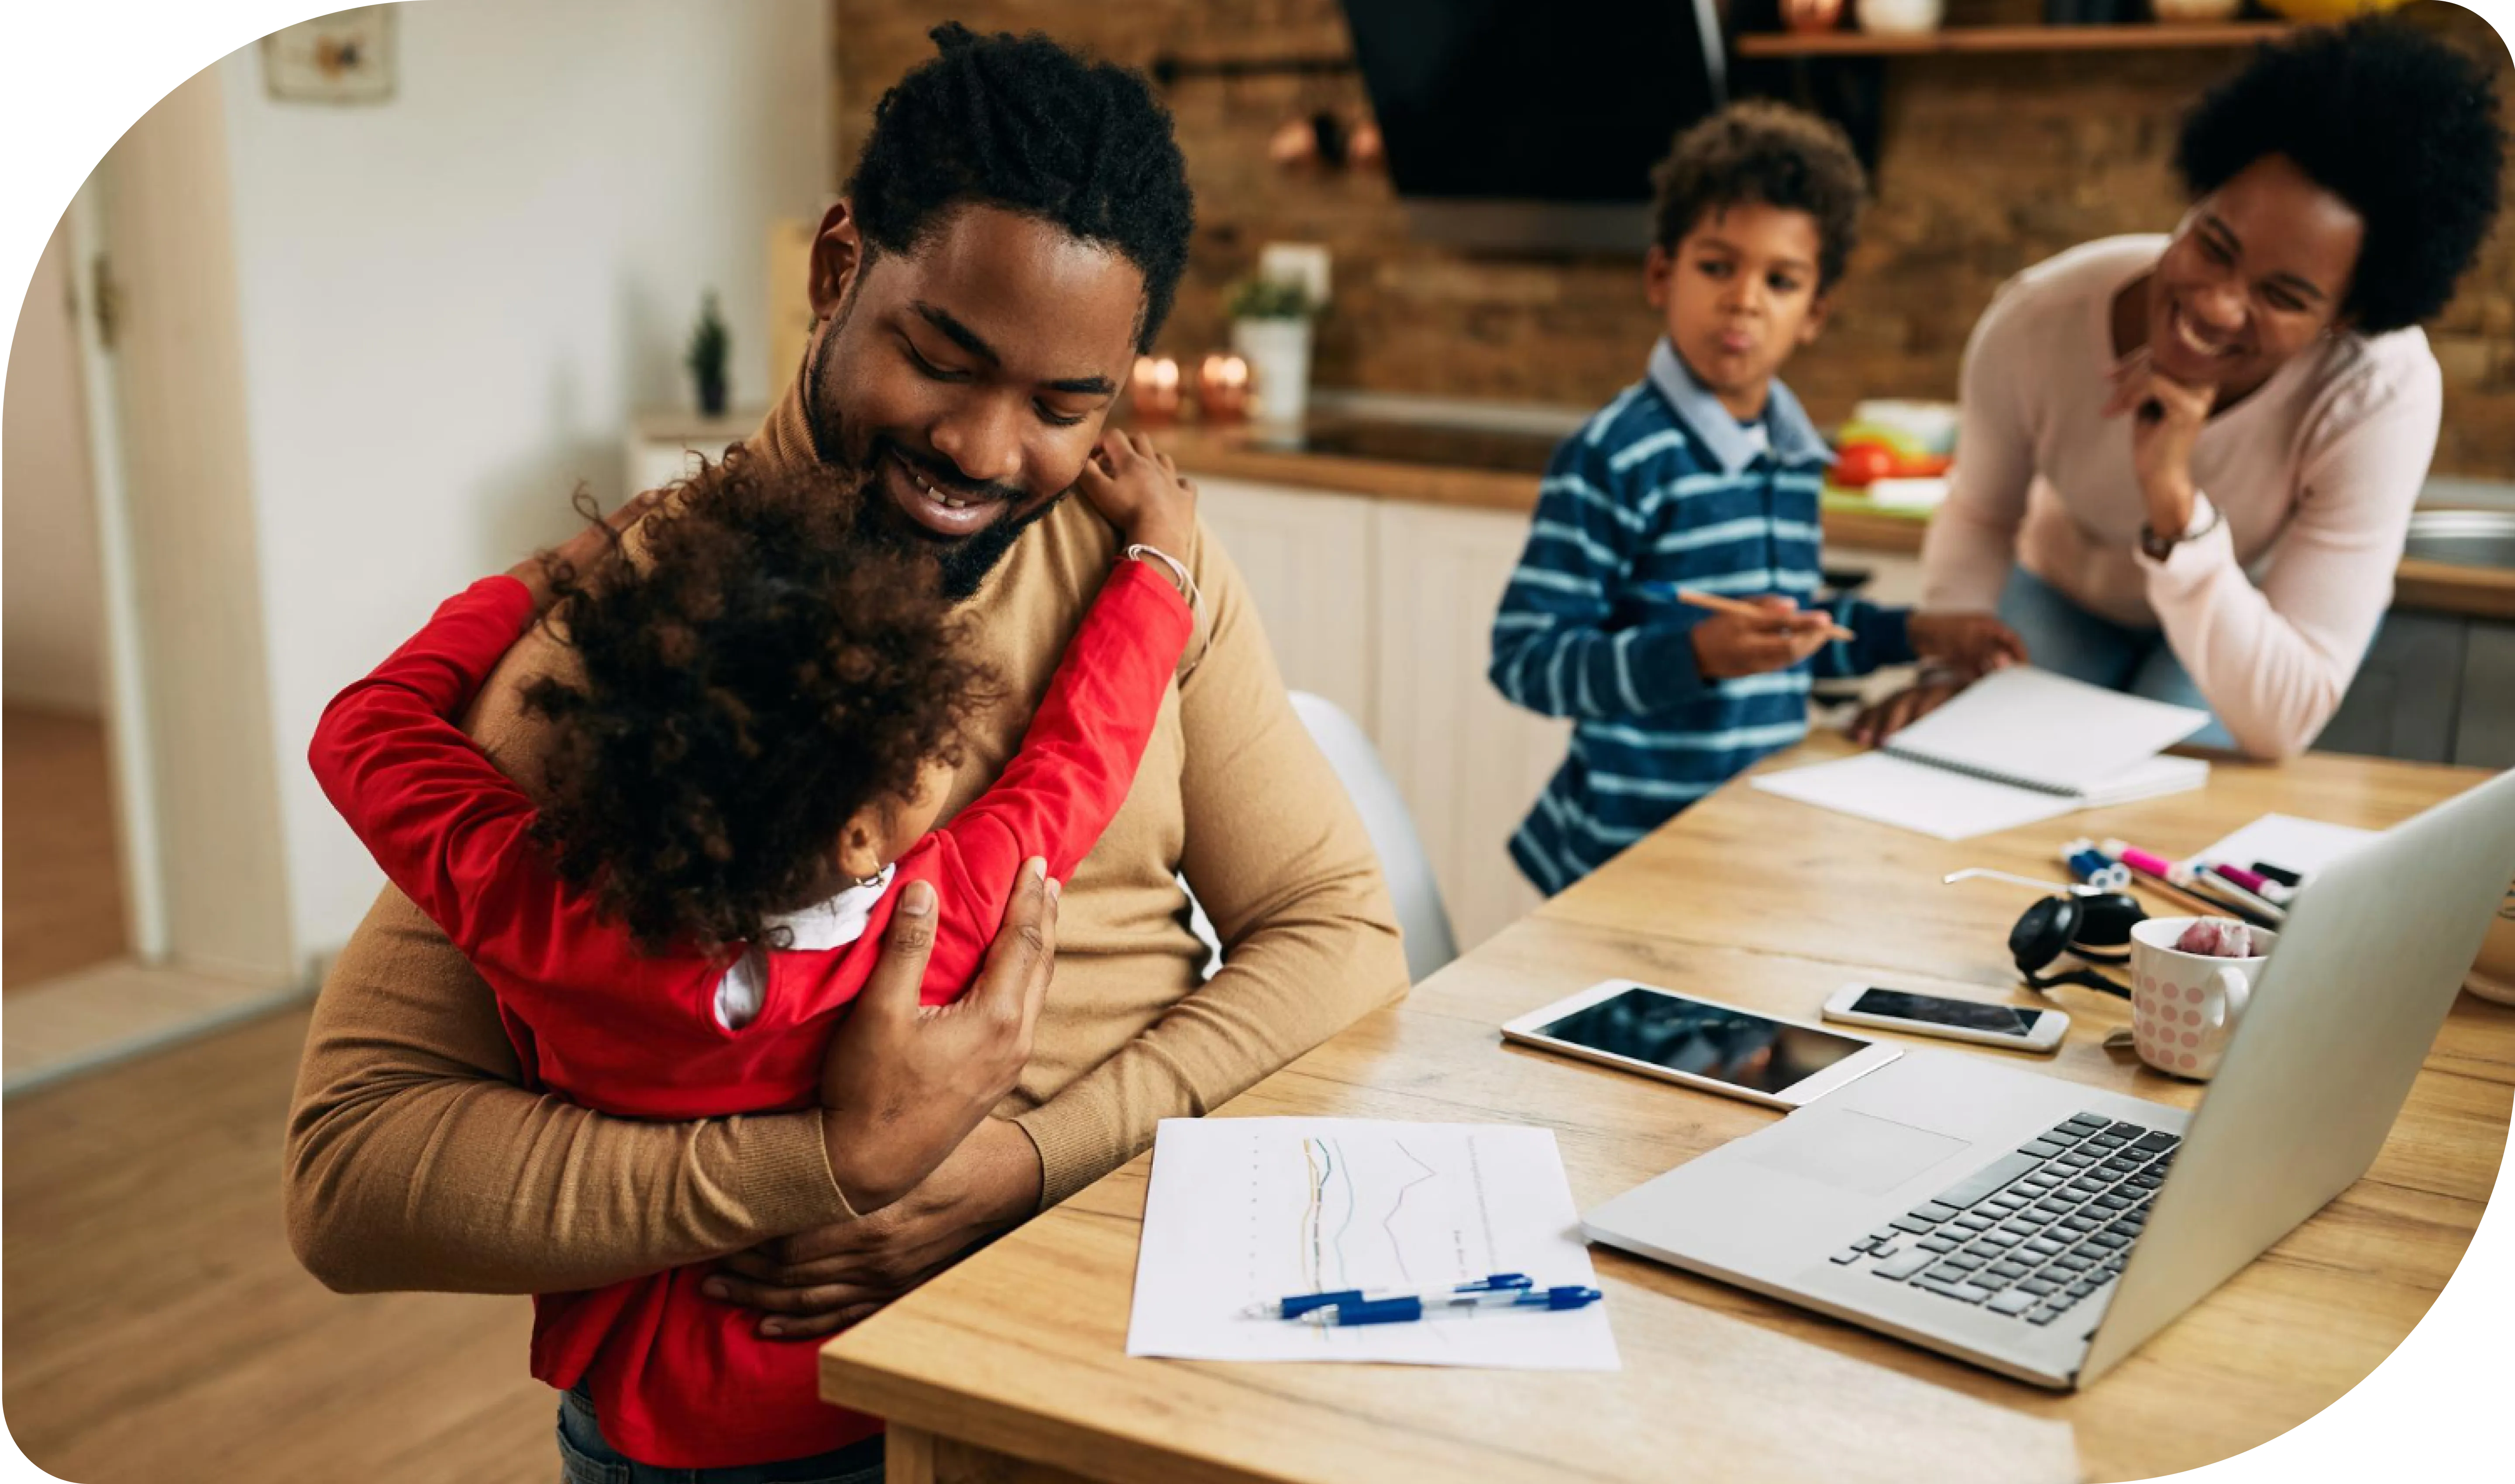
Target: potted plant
{"x":1270,"y":329}
{"x":708,"y":347}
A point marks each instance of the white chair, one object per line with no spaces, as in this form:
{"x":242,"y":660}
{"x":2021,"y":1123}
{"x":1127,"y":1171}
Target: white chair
{"x":1416,"y":894}
{"x":1430,"y":944}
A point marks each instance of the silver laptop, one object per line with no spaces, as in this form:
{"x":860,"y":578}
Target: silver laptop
{"x":2043,"y":1229}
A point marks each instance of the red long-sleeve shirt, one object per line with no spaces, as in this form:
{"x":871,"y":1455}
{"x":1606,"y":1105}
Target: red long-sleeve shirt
{"x":680,"y":1380}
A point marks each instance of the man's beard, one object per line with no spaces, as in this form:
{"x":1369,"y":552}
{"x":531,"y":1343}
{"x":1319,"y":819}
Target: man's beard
{"x":962,"y":564}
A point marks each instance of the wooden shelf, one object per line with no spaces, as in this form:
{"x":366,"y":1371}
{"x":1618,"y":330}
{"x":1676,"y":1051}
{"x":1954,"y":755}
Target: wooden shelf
{"x":2131,"y":36}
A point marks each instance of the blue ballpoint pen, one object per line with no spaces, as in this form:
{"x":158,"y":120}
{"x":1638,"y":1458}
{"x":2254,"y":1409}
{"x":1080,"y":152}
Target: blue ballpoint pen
{"x":1407,"y":1309}
{"x":1294,"y":1307}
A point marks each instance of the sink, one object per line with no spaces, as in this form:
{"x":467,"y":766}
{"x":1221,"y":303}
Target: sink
{"x":2463,"y":538}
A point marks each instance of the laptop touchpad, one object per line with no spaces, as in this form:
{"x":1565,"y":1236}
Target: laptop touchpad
{"x":1851,"y":1151}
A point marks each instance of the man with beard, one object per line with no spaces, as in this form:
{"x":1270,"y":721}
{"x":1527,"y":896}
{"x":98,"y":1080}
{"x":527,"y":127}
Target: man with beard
{"x":1010,"y":238}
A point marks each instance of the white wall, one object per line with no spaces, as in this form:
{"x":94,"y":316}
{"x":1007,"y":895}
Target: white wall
{"x":454,"y":302}
{"x":55,"y":615}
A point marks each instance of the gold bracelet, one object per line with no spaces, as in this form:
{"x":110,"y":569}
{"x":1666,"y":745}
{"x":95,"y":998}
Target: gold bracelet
{"x":1179,"y":579}
{"x":1187,"y":588}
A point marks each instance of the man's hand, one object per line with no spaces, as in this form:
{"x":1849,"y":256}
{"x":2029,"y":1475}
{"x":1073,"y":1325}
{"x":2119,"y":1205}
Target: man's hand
{"x":585,"y":550}
{"x":814,"y":1282}
{"x":1902,"y":709}
{"x":2166,"y":420}
{"x":902,"y":1084}
{"x":1137,"y":488}
{"x":1727,"y":645}
{"x":1974,"y":644}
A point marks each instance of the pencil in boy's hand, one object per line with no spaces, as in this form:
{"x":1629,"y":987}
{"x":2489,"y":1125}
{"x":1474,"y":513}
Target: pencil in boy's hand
{"x":1719,"y":605}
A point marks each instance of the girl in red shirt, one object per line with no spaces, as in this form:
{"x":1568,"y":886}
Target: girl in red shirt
{"x":741,"y":785}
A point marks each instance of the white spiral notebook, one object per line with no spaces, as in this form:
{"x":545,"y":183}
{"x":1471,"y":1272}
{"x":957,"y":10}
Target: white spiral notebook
{"x":2018,"y":746}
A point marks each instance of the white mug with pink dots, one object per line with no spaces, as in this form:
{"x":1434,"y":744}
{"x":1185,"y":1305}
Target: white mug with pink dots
{"x":2185,"y":1006}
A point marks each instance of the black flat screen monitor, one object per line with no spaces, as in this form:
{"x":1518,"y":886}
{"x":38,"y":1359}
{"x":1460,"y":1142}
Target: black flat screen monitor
{"x":1563,"y":103}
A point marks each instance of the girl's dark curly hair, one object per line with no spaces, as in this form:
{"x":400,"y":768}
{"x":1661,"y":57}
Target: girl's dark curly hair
{"x":1769,"y":153}
{"x":1022,"y":123}
{"x":752,"y":679}
{"x":2393,"y":121}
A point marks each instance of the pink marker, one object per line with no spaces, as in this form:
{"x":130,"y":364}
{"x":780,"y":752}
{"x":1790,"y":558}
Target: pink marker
{"x":2146,"y":864}
{"x":2251,"y":881}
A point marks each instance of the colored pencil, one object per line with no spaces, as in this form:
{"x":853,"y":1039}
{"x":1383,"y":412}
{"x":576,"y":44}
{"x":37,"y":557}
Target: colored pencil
{"x":1719,"y":605}
{"x":2253,"y":904}
{"x":2156,"y":874}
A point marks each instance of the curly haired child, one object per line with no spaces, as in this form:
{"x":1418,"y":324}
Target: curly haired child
{"x":742,"y":789}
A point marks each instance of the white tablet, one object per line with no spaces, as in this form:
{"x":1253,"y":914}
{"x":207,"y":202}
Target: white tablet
{"x":1701,"y":1043}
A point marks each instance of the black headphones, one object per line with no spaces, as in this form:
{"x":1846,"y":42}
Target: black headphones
{"x":2095,"y":925}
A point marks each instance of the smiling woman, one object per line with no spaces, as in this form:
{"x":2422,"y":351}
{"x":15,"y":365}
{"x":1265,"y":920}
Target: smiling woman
{"x":2186,"y":464}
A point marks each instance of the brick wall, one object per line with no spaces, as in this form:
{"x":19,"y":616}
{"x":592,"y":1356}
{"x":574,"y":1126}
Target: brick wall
{"x":1987,"y":164}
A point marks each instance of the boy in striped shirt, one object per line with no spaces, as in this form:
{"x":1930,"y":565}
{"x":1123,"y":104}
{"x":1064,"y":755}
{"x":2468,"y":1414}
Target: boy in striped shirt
{"x":1703,"y":478}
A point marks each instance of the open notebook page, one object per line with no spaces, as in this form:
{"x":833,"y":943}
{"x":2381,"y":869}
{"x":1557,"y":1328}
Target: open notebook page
{"x":2047,"y":729}
{"x":1915,"y":796}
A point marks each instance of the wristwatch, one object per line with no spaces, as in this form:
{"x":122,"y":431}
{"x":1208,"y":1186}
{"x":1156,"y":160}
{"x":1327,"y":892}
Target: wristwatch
{"x":2205,"y":520}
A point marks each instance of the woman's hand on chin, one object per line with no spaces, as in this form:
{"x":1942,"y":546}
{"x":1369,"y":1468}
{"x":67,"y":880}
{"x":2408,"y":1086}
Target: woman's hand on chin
{"x":2166,"y":420}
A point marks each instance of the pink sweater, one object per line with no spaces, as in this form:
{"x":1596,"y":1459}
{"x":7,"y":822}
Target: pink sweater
{"x":2315,"y":474}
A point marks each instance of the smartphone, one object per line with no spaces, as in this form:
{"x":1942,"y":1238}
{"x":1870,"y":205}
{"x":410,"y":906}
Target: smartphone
{"x":1701,"y":1044}
{"x":2019,"y":1027}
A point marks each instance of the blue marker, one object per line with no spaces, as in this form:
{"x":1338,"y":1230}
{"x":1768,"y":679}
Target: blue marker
{"x":2094,"y":867}
{"x":1299,"y":1305}
{"x":1413,"y":1308}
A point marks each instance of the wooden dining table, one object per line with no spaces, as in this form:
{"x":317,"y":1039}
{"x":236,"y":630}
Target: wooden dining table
{"x":1013,"y":1365}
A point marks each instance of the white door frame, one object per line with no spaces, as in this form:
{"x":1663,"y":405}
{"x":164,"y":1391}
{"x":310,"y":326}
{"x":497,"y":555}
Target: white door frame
{"x":195,"y":760}
{"x":126,"y":687}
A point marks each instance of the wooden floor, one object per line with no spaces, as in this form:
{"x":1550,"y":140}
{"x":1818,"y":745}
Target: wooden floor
{"x":61,"y":901}
{"x":156,"y":1327}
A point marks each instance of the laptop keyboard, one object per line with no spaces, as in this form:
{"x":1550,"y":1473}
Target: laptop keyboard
{"x":2033,"y":1233}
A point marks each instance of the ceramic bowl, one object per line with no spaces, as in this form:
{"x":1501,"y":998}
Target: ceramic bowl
{"x":2492,"y":973}
{"x":1900,"y":18}
{"x":2194,"y":12}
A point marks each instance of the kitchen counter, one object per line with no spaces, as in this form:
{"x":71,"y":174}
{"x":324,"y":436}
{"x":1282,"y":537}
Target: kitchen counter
{"x":2435,"y":587}
{"x":1475,"y":469}
{"x":1421,"y":463}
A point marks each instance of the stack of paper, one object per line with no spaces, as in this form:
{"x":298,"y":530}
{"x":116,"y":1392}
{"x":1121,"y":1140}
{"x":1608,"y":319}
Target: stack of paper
{"x":2016,"y":747}
{"x":2301,"y":845}
{"x":1246,"y":1210}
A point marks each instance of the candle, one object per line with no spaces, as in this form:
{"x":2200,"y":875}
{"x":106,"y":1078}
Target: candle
{"x":1223,"y":387}
{"x":1155,"y":388}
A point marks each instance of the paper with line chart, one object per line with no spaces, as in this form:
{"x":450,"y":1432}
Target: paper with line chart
{"x":1246,"y":1210}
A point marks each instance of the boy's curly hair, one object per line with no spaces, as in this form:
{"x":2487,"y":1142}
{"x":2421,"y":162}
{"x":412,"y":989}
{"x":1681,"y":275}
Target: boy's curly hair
{"x":752,"y":677}
{"x":1767,"y":153}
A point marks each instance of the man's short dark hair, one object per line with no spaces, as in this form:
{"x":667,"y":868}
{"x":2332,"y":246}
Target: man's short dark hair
{"x":1759,"y":152}
{"x":1021,"y":123}
{"x":2398,"y":124}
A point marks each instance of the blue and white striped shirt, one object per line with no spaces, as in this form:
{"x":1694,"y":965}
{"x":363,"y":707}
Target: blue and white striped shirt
{"x":1663,"y":488}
